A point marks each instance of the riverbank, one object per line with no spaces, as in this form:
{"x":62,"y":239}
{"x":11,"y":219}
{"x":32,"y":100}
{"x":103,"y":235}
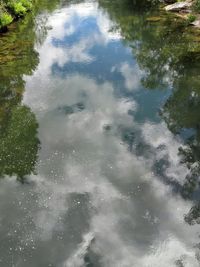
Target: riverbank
{"x":13,"y":10}
{"x":188,"y":10}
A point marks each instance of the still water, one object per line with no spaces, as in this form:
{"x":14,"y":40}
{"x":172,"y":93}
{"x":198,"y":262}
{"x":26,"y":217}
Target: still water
{"x":99,"y":139}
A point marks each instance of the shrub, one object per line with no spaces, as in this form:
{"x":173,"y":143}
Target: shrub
{"x":5,"y":19}
{"x":27,"y":4}
{"x":191,"y":18}
{"x":17,"y":8}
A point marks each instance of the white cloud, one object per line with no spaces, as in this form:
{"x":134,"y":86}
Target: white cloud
{"x":63,"y":24}
{"x":158,"y":135}
{"x":121,"y":187}
{"x":132,"y":76}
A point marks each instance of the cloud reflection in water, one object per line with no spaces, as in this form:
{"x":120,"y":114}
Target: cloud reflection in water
{"x":94,"y":199}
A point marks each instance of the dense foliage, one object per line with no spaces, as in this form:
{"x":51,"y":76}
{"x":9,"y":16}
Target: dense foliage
{"x":12,"y":9}
{"x":196,"y":6}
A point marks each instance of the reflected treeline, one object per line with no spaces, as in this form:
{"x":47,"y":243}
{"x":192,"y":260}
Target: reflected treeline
{"x":169,"y":54}
{"x":126,"y":6}
{"x":19,"y":143}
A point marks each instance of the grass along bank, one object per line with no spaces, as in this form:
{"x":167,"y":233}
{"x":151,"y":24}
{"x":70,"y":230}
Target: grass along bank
{"x":188,"y":10}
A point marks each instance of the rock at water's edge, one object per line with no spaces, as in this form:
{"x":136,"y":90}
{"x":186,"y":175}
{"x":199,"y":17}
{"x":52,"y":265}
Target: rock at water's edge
{"x":178,"y":6}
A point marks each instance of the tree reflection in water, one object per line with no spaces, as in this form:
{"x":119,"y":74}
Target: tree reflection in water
{"x":18,"y":126}
{"x":169,"y":54}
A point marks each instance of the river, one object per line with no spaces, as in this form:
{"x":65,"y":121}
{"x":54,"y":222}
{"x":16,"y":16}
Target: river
{"x":99,"y":138}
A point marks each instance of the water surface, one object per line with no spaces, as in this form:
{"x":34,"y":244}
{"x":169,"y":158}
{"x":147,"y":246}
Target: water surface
{"x":99,"y":139}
